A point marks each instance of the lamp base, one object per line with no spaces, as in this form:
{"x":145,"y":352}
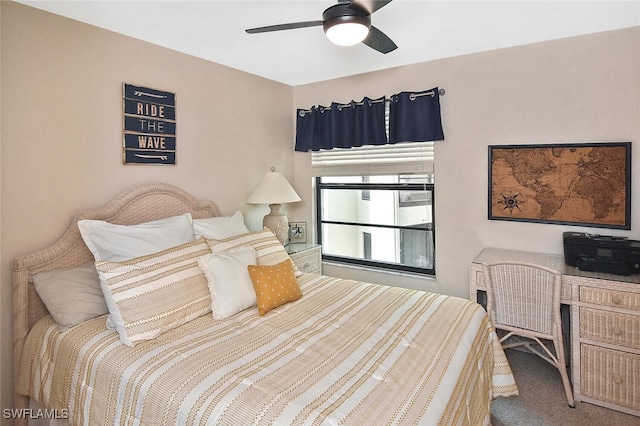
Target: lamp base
{"x":278,"y":223}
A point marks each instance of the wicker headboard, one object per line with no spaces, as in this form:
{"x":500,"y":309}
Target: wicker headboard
{"x":140,"y":204}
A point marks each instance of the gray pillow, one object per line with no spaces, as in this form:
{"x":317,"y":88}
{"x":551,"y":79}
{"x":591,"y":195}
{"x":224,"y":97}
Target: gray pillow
{"x":72,"y":295}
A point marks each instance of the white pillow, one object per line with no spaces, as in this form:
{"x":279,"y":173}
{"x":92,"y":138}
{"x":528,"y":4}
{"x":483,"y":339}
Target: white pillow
{"x":229,"y":281}
{"x":150,"y":295}
{"x":218,"y":228}
{"x":108,"y":241}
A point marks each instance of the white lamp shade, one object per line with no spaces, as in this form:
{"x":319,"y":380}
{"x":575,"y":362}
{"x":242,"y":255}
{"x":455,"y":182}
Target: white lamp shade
{"x":347,"y":34}
{"x":273,"y":188}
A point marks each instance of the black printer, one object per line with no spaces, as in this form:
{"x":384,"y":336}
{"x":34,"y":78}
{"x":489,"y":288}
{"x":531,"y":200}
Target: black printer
{"x":601,"y":253}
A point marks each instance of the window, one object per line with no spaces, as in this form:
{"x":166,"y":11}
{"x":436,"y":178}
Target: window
{"x":375,"y":205}
{"x":381,"y":221}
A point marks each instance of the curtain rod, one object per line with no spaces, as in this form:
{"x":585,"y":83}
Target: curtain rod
{"x":412,"y":96}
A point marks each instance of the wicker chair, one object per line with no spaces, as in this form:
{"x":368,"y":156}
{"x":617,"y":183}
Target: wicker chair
{"x":524,"y":300}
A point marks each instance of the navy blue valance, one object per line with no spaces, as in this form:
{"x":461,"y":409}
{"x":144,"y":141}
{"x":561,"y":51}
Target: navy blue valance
{"x":413,"y":117}
{"x":341,"y":125}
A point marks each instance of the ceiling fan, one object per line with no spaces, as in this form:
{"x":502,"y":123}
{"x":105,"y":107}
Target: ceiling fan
{"x":346,"y":23}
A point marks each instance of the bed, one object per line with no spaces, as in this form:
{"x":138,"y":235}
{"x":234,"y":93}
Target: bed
{"x":340,"y":352}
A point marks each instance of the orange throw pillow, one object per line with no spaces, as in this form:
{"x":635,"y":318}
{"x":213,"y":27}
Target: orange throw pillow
{"x":275,"y":285}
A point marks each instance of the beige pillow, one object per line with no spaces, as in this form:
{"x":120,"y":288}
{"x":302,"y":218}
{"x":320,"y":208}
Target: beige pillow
{"x":269,"y":250}
{"x":152,"y":294}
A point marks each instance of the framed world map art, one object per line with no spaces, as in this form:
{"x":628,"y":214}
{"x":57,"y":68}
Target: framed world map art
{"x":587,"y":184}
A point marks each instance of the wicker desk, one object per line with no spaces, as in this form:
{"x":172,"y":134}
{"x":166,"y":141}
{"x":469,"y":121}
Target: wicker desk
{"x":605,"y":328}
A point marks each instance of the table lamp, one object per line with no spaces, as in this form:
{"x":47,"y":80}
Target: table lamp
{"x":274,"y":189}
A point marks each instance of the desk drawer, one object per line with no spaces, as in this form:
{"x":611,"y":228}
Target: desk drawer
{"x":611,"y":376}
{"x":610,"y":327}
{"x":608,"y":297}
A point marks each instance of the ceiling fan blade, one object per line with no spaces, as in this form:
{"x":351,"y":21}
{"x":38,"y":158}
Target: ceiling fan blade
{"x":378,"y":4}
{"x":379,"y":41}
{"x":369,"y":5}
{"x":280,"y":27}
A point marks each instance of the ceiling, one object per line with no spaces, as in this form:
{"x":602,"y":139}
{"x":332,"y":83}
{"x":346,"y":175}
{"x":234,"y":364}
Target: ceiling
{"x":424,"y":30}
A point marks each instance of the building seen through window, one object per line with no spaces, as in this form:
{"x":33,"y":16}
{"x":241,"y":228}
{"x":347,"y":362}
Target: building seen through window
{"x":382,"y":221}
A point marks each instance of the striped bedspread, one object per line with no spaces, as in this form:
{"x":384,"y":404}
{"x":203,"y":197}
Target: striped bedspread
{"x":347,"y":353}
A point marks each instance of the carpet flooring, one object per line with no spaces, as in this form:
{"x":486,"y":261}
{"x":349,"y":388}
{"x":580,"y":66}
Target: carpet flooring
{"x":542,"y":401}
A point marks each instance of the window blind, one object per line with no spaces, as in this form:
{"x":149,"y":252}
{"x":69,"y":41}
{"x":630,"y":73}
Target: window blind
{"x":406,"y":157}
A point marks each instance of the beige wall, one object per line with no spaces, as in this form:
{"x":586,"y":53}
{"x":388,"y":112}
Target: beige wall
{"x":62,"y":132}
{"x":582,"y":89}
{"x":5,"y":314}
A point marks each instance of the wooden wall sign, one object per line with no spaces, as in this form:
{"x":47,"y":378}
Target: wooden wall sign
{"x":149,"y":126}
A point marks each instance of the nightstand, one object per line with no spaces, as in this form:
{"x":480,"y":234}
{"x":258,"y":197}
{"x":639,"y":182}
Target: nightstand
{"x":307,"y":257}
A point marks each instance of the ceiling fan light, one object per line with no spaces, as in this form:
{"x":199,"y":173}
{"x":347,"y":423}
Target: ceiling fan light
{"x":346,"y":24}
{"x":347,"y":33}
